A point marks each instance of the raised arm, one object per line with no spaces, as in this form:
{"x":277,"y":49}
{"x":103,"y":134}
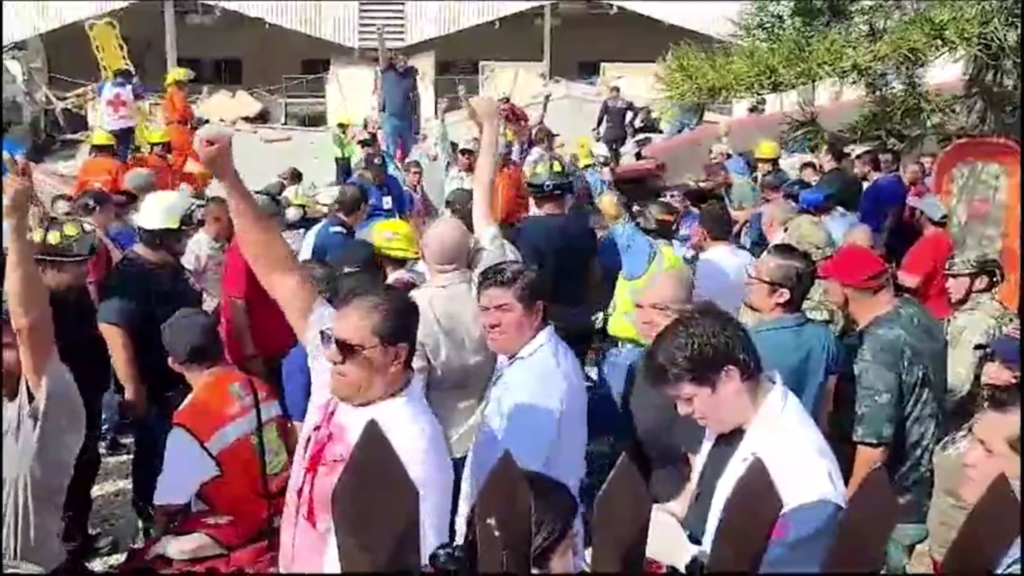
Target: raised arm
{"x":484,"y":112}
{"x":28,"y":298}
{"x":442,"y":144}
{"x":260,"y":240}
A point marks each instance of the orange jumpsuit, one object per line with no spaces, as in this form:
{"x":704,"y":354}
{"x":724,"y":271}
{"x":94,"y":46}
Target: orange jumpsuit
{"x":179,"y":119}
{"x":166,"y":177}
{"x":100,"y":172}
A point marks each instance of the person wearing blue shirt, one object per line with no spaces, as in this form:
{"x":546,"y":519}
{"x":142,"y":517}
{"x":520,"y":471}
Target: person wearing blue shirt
{"x":338,"y":229}
{"x":399,"y":106}
{"x":386,"y":197}
{"x":803,"y":352}
{"x":13,"y":149}
{"x":882,"y":204}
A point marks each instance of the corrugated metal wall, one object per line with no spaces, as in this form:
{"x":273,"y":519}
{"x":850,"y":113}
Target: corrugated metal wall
{"x":715,"y":18}
{"x":428,"y":20}
{"x":336,"y":22}
{"x":24,"y":19}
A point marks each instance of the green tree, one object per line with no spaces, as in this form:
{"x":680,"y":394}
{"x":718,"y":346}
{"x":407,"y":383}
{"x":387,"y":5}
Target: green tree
{"x":882,"y":48}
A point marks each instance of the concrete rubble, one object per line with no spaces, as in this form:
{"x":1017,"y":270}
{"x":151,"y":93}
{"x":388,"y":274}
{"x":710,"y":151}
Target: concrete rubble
{"x":223,"y":106}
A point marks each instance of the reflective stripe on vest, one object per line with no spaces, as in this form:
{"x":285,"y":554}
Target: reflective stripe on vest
{"x":242,"y":427}
{"x":622,"y":312}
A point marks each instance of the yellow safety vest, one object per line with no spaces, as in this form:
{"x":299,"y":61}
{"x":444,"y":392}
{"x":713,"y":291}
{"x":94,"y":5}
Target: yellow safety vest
{"x":621,"y":312}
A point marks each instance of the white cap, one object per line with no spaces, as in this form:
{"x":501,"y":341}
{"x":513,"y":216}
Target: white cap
{"x":471,"y":144}
{"x":162,"y":210}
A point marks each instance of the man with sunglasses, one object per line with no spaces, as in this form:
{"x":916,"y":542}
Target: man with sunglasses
{"x":146,"y":287}
{"x":360,"y":351}
{"x":803,"y":352}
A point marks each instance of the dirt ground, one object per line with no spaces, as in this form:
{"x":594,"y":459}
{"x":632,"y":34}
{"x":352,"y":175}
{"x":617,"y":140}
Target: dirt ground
{"x":112,"y":510}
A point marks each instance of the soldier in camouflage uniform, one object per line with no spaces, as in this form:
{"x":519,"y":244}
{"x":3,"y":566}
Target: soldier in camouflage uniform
{"x":948,"y":511}
{"x":809,"y":234}
{"x":899,"y":371}
{"x":978,"y":316}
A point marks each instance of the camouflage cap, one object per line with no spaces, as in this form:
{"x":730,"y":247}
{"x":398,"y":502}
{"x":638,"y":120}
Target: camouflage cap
{"x":966,"y":264}
{"x":810,"y":235}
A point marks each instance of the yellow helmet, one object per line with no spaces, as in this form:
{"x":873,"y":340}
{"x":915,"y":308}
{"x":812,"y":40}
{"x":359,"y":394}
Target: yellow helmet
{"x":177,"y":75}
{"x":102,"y":138}
{"x":583,"y":152}
{"x":767,"y":150}
{"x":158,"y":136}
{"x":395,"y":238}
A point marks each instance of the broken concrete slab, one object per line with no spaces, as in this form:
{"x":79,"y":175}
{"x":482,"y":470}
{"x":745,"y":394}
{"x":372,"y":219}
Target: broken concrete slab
{"x":223,"y":106}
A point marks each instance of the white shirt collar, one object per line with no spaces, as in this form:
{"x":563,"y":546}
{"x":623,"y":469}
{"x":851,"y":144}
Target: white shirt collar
{"x":531,"y":347}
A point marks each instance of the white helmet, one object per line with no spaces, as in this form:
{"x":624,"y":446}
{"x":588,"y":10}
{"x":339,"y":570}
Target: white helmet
{"x":165,"y":210}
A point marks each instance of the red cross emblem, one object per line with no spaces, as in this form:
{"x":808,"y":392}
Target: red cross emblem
{"x":117,"y":104}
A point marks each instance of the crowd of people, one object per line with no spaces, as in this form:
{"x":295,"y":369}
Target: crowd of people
{"x":820,"y":321}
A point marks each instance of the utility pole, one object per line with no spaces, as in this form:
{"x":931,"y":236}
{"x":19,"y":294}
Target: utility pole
{"x":170,"y":35}
{"x":547,"y":41}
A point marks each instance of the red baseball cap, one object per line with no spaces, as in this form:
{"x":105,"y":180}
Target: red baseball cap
{"x":854,"y":266}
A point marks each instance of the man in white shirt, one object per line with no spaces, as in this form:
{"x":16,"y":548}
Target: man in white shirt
{"x":204,"y":253}
{"x":360,"y":359}
{"x":536,"y":407}
{"x":721,"y":270}
{"x":708,"y":363}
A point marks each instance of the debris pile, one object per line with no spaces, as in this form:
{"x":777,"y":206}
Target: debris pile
{"x":227,"y":108}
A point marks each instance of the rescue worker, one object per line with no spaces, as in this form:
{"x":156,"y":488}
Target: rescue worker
{"x":766,"y":159}
{"x":397,"y":248}
{"x":117,"y":109}
{"x":158,"y":159}
{"x":179,"y":117}
{"x":344,"y":149}
{"x":102,"y":170}
{"x":230,"y":449}
{"x":617,"y":127}
{"x":646,"y":250}
{"x":563,"y":247}
{"x":978,"y":316}
{"x":299,"y":217}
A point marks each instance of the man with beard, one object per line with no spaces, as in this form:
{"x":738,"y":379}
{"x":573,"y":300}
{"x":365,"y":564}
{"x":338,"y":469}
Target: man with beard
{"x":146,"y":287}
{"x":978,"y":316}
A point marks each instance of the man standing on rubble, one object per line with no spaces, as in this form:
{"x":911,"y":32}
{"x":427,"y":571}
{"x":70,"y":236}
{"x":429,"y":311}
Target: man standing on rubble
{"x":399,"y":105}
{"x":616,"y":128}
{"x":117,"y":109}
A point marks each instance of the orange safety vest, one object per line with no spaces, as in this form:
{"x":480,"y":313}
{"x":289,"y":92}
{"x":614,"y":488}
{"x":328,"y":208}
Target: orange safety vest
{"x":100,"y":173}
{"x":511,"y":203}
{"x":221,"y":414}
{"x":166,"y":179}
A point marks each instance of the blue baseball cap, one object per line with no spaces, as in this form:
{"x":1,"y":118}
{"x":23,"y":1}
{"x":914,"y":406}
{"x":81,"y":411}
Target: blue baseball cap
{"x":813,"y":199}
{"x":1006,"y":351}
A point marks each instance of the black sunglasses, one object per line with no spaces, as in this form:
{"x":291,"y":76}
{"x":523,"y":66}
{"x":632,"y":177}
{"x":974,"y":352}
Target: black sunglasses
{"x":346,"y":350}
